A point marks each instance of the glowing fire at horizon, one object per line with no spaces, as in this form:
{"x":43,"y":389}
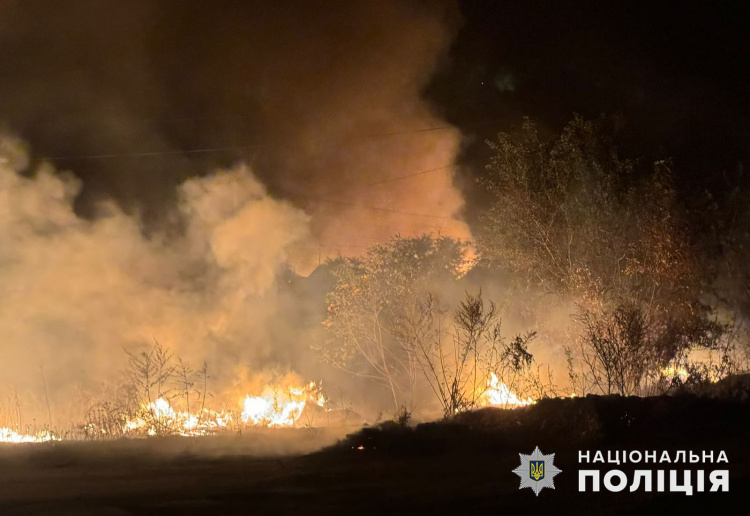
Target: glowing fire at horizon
{"x":276,"y":407}
{"x":498,"y":394}
{"x":280,"y":407}
{"x":159,"y":418}
{"x":8,"y":435}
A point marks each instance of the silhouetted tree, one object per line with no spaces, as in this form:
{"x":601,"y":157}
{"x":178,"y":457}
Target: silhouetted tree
{"x":372,"y":297}
{"x":459,"y":367}
{"x":572,"y":218}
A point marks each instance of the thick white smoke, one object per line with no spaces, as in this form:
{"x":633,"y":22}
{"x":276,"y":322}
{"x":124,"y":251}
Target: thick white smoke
{"x":75,"y":292}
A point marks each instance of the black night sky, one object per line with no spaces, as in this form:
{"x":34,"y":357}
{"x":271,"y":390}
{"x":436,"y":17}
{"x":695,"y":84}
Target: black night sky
{"x":675,"y":71}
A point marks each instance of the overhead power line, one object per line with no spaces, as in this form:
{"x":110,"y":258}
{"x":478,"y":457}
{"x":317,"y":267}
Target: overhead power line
{"x":148,"y":153}
{"x":407,"y":176}
{"x":415,"y":174}
{"x":308,"y":197}
{"x":374,"y":208}
{"x":165,"y":152}
{"x":152,"y":153}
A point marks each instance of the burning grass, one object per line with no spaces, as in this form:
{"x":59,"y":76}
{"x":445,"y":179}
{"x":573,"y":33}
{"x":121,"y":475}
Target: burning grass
{"x":11,"y":436}
{"x":276,"y":406}
{"x":158,"y":398}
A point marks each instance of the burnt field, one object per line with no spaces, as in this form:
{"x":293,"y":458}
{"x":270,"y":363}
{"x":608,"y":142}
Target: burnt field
{"x":459,"y":466}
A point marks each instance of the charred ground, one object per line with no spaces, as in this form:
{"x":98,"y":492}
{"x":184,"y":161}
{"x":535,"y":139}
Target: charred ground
{"x":457,"y":466}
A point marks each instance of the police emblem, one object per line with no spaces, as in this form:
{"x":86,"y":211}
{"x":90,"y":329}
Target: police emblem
{"x":537,"y":471}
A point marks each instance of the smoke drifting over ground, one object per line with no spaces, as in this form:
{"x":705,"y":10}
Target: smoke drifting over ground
{"x":74,"y":292}
{"x":323,"y":100}
{"x":116,"y":227}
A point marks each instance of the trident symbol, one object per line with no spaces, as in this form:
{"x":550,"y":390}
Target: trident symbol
{"x":536,"y":469}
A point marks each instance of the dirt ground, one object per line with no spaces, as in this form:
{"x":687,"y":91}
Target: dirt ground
{"x":461,"y":466}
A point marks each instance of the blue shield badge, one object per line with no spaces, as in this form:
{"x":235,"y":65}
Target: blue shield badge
{"x":536,"y":470}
